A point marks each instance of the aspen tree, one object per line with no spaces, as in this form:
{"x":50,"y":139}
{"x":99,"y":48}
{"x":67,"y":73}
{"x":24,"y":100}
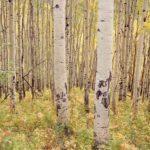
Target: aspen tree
{"x":104,"y":69}
{"x":1,"y":86}
{"x":70,"y":46}
{"x":6,"y":66}
{"x":68,"y":3}
{"x":144,"y":66}
{"x":20,"y":53}
{"x":4,"y":40}
{"x":42,"y":48}
{"x":22,"y":44}
{"x":148,"y":78}
{"x":87,"y":46}
{"x":138,"y":62}
{"x":116,"y":67}
{"x":131,"y":44}
{"x":47,"y":37}
{"x":125,"y":50}
{"x":60,"y":72}
{"x":121,"y":65}
{"x":31,"y":25}
{"x":12,"y":53}
{"x":38,"y":47}
{"x":52,"y":53}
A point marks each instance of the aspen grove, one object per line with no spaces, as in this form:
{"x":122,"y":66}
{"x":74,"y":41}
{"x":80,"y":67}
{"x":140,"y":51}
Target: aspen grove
{"x":74,"y":74}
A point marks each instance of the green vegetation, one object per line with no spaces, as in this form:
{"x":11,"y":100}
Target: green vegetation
{"x":33,"y":126}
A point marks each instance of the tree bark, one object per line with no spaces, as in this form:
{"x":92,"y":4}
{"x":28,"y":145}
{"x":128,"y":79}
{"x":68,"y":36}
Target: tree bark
{"x":104,"y":69}
{"x":60,"y":72}
{"x":12,"y":53}
{"x":138,"y":63}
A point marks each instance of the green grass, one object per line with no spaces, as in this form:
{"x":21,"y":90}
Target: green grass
{"x":33,"y":126}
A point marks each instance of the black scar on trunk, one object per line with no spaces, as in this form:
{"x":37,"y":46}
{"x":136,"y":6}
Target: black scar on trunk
{"x":57,"y":6}
{"x":62,"y":37}
{"x":98,"y":116}
{"x":94,"y":109}
{"x":98,"y":94}
{"x":98,"y":30}
{"x":105,"y":102}
{"x":64,"y":99}
{"x":66,"y":86}
{"x":57,"y":97}
{"x":105,"y":95}
{"x":110,"y":77}
{"x":58,"y":107}
{"x":102,"y":83}
{"x":95,"y":134}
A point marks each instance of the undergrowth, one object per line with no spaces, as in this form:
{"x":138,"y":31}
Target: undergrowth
{"x":33,"y":126}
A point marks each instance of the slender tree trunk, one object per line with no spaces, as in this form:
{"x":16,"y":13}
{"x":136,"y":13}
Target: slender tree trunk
{"x":87,"y":46}
{"x":52,"y":52}
{"x":137,"y":74}
{"x":12,"y":54}
{"x":19,"y":53}
{"x":116,"y":69}
{"x":148,"y":78}
{"x":32,"y":50}
{"x":60,"y":72}
{"x":22,"y":55}
{"x":42,"y":48}
{"x":103,"y":74}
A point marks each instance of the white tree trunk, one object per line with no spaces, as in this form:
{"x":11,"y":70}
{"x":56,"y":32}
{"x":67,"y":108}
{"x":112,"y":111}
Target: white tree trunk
{"x":60,"y":72}
{"x":138,"y":63}
{"x":12,"y":54}
{"x":103,"y":74}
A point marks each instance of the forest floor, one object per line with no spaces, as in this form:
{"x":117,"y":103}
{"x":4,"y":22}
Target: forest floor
{"x":33,"y":126}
